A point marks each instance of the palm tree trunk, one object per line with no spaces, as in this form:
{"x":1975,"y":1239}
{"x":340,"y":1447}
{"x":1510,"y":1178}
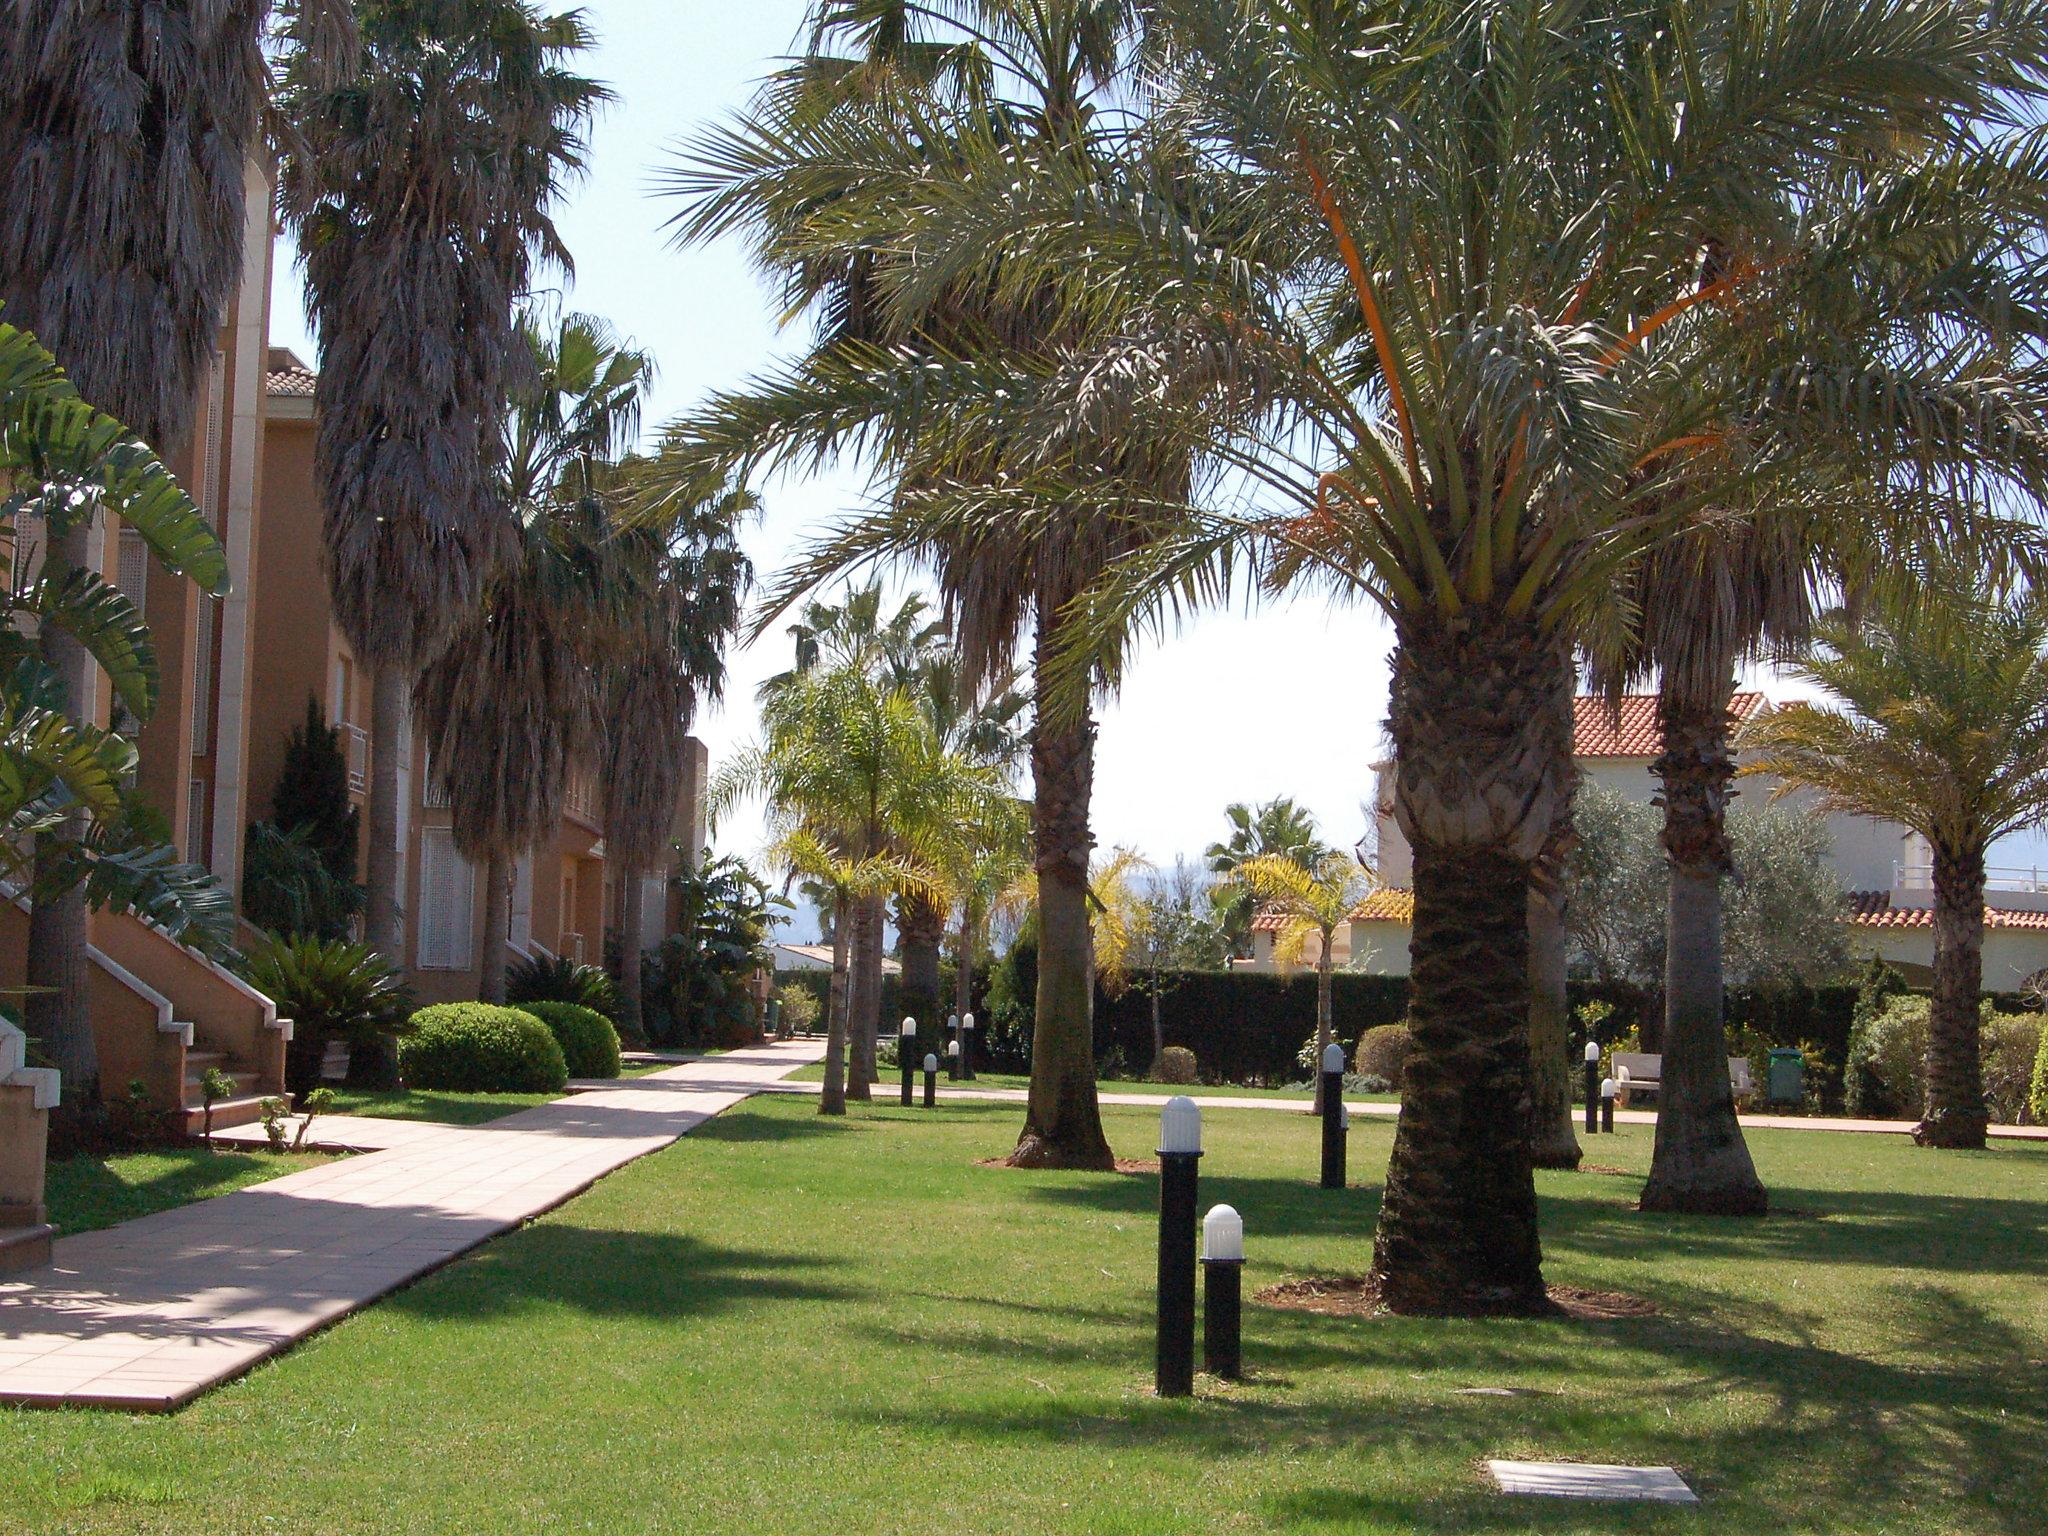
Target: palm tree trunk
{"x":1158,"y":1024}
{"x":922,"y":928}
{"x":632,"y":943}
{"x":1324,"y":1029}
{"x":1701,"y":1164}
{"x":1552,"y":1141}
{"x":963,"y":976}
{"x":1478,"y":773}
{"x":60,"y":1017}
{"x":1955,"y":1115}
{"x":832,"y":1101}
{"x":497,"y":927}
{"x":864,"y":996}
{"x":1063,"y":1120}
{"x":382,"y":926}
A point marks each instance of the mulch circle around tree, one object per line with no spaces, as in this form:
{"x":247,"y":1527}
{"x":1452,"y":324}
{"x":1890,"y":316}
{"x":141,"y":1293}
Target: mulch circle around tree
{"x":1358,"y":1296}
{"x":1132,"y":1165}
{"x":1602,"y":1168}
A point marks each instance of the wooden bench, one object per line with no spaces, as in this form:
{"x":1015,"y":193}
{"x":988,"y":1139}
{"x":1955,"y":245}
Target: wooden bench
{"x":1643,"y":1071}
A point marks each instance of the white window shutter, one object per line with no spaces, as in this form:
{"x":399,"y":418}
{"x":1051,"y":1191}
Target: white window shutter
{"x":134,"y":577}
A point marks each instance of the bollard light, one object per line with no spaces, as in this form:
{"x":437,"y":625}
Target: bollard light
{"x":1223,"y":1293}
{"x":1180,"y":1149}
{"x":1607,"y":1091}
{"x":931,"y":1080}
{"x":967,"y":1046}
{"x":906,"y":1055}
{"x":1592,"y":1087}
{"x":1332,"y":1095}
{"x":953,"y":1060}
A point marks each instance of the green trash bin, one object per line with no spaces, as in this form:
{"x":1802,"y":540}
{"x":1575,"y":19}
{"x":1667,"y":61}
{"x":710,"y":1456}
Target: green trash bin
{"x":1787,"y":1077}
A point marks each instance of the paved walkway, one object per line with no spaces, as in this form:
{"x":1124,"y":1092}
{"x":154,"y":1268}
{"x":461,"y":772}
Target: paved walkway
{"x":887,"y":1089}
{"x":149,"y":1314}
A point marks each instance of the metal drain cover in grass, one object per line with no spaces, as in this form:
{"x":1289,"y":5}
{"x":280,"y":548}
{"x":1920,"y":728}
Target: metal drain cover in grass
{"x":1590,"y":1480}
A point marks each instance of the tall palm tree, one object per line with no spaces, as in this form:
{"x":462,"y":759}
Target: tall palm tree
{"x":1318,"y":899}
{"x":663,"y":654}
{"x":1946,"y":731}
{"x":1489,"y":335}
{"x":1044,"y":74}
{"x":419,"y":189}
{"x":512,"y":695}
{"x":127,"y":131}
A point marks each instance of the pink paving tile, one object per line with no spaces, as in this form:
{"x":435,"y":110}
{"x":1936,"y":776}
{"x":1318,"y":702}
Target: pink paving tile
{"x":146,"y":1315}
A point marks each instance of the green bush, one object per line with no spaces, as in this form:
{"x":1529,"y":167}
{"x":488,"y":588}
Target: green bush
{"x":2011,"y":1043}
{"x":590,"y":1045}
{"x":1176,"y":1064}
{"x":1383,"y":1053}
{"x":2037,"y":1099}
{"x":477,"y":1048}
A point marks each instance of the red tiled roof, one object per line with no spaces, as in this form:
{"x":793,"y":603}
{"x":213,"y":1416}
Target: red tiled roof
{"x":296,"y":383}
{"x":1632,"y":731}
{"x":1874,"y":909}
{"x":1391,"y":905}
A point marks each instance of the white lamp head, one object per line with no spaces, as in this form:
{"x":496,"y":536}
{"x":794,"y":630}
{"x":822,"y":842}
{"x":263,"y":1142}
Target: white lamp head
{"x":1180,"y":1125}
{"x":931,"y":1062}
{"x":1223,"y":1235}
{"x":1592,"y":1052}
{"x":907,"y":1028}
{"x":952,"y":1021}
{"x":1607,"y":1088}
{"x":1344,"y":1117}
{"x":952,"y":1047}
{"x":967,"y":1021}
{"x":1333,"y":1057}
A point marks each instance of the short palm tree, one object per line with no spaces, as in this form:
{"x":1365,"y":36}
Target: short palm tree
{"x":1945,"y":731}
{"x":1317,"y":899}
{"x":1278,"y":826}
{"x":419,"y":188}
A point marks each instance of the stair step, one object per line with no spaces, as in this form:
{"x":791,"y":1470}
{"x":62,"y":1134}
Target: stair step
{"x":202,"y":1060}
{"x":246,"y":1109}
{"x":195,"y":1093}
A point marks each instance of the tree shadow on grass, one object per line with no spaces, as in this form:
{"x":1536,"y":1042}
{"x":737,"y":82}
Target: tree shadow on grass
{"x":611,"y":1273}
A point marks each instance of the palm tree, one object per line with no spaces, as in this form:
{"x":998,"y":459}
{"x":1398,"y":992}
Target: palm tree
{"x":862,"y":794}
{"x":1318,"y":899}
{"x":1040,"y":73}
{"x":512,"y":695}
{"x":1489,"y":336}
{"x":1945,"y":731}
{"x":1279,"y":826}
{"x":128,"y":132}
{"x":418,"y":188}
{"x":663,"y":655}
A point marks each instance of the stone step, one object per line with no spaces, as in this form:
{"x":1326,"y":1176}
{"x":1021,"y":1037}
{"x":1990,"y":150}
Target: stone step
{"x":245,"y":1109}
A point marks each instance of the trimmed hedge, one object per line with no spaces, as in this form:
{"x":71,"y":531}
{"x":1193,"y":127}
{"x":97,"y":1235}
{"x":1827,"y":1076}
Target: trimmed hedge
{"x":478,"y":1048}
{"x":1383,"y":1053}
{"x":1176,"y":1064}
{"x":590,"y":1045}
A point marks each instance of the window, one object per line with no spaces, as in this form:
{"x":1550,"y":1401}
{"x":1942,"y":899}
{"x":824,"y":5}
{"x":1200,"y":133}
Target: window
{"x":195,"y":822}
{"x":202,"y":677}
{"x":447,"y":917}
{"x":134,"y":577}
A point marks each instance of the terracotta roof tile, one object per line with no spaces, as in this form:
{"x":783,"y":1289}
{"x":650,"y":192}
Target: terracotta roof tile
{"x":294,"y":383}
{"x":1391,"y":905}
{"x":1874,"y":909}
{"x":1631,"y":731}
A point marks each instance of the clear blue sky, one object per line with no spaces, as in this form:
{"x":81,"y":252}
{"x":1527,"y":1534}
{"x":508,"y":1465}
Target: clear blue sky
{"x":1288,"y":699}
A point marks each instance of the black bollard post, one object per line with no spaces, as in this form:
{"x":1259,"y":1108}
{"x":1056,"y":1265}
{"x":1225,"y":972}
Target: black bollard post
{"x":1223,"y":1293}
{"x":953,"y":1060}
{"x":967,"y":1047}
{"x":931,"y":1080}
{"x":1180,"y":1149}
{"x":1333,"y":1116}
{"x":1607,"y":1091}
{"x":1592,"y":1087}
{"x":906,"y":1055}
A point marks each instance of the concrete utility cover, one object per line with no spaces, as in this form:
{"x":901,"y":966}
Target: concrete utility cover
{"x":1589,"y":1480}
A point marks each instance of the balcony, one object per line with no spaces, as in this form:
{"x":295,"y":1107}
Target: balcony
{"x":356,"y":742}
{"x":2008,"y":887}
{"x":582,"y":801}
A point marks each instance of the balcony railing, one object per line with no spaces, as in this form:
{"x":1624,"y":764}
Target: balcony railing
{"x":581,"y":801}
{"x":358,"y":759}
{"x":2010,"y":879}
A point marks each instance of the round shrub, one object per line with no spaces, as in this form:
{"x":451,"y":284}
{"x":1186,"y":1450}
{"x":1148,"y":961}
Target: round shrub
{"x":477,"y":1048}
{"x":2009,"y":1044}
{"x":1383,"y":1053}
{"x":590,"y":1045}
{"x":1176,"y":1064}
{"x":2037,"y":1099}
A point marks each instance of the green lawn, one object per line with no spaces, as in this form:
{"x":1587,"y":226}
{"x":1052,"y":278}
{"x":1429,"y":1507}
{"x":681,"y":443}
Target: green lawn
{"x":788,"y":1324}
{"x":450,"y":1108}
{"x":815,"y":1073}
{"x":88,"y":1192}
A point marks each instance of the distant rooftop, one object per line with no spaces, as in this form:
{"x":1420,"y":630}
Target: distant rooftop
{"x":1630,"y":728}
{"x":1874,"y":909}
{"x":287,"y":374}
